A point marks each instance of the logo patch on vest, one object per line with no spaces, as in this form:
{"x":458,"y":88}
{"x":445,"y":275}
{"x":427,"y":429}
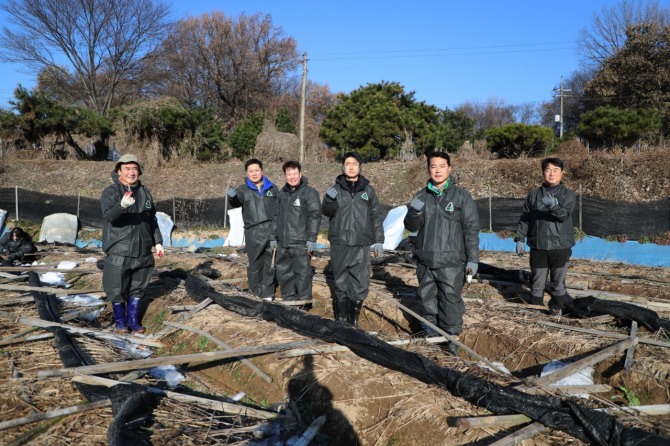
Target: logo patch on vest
{"x":296,"y":202}
{"x":364,"y":196}
{"x":450,"y":207}
{"x":148,"y":204}
{"x":269,"y":193}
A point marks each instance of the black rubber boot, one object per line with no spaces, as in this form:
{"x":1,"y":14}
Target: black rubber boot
{"x":354,"y":311}
{"x":133,"y":315}
{"x":340,"y":308}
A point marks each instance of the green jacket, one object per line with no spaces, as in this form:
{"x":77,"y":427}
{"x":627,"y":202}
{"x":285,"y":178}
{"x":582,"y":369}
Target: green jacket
{"x":547,"y":229}
{"x":448,"y":227}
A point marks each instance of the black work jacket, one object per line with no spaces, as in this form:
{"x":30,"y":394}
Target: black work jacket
{"x":257,"y":205}
{"x":355,"y":217}
{"x":297,"y":215}
{"x":19,"y":246}
{"x":448,"y":227}
{"x":133,"y":231}
{"x":544,"y":228}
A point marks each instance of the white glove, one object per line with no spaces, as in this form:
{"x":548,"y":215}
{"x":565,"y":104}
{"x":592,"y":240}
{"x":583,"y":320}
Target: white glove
{"x":127,"y":200}
{"x":159,"y":250}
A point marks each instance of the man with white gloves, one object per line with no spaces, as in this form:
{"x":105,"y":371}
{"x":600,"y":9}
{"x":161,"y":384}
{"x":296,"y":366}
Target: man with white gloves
{"x":447,"y":245}
{"x":355,"y":223}
{"x":128,"y":236}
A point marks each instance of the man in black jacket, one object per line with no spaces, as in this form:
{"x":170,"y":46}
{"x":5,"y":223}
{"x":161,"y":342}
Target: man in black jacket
{"x":546,"y":222}
{"x":17,"y":246}
{"x":257,"y":197}
{"x":447,"y":245}
{"x":129,"y":233}
{"x":295,"y":225}
{"x":355,"y":224}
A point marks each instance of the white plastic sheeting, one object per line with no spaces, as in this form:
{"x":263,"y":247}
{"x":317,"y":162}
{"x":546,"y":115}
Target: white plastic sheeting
{"x":60,"y":228}
{"x":236,"y":232}
{"x":394,"y":227}
{"x":165,"y":225}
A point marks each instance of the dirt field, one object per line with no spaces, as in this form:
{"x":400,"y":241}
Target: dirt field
{"x":364,"y":403}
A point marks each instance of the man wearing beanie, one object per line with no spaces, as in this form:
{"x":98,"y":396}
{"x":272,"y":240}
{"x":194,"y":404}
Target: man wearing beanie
{"x":129,"y":233}
{"x":546,"y":222}
{"x":355,"y":224}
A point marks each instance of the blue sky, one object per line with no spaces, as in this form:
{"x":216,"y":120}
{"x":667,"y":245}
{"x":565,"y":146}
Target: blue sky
{"x":447,"y":52}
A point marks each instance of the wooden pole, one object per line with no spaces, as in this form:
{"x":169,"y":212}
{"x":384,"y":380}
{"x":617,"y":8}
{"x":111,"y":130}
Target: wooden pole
{"x":89,"y":331}
{"x":603,"y":333}
{"x":222,"y":406}
{"x":16,"y":201}
{"x":174,"y":209}
{"x":195,"y":358}
{"x":628,"y":363}
{"x":520,"y":435}
{"x":451,"y":338}
{"x":54,"y":413}
{"x":302,"y":107}
{"x":583,"y":363}
{"x":220,"y":343}
{"x":490,"y":211}
{"x":580,"y":207}
{"x":78,"y":201}
{"x":311,"y":432}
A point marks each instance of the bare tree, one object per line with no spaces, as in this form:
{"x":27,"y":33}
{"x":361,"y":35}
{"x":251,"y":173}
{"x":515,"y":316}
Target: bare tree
{"x":607,"y":34}
{"x":527,"y":113}
{"x":234,"y":65}
{"x":102,"y":42}
{"x":494,"y":112}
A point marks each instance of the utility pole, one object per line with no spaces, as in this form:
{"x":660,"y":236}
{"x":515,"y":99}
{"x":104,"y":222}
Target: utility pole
{"x":560,"y":95}
{"x":302,"y":107}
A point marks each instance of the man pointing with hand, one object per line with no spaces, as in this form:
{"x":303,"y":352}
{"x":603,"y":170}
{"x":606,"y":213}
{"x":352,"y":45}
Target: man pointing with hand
{"x":129,"y":233}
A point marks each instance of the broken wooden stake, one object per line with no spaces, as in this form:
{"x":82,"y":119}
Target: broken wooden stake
{"x":340,"y":348}
{"x":522,"y":434}
{"x":628,"y":363}
{"x":311,"y":432}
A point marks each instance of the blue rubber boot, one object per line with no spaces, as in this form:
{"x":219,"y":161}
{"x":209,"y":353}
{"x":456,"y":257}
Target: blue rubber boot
{"x":120,"y":318}
{"x":133,"y":315}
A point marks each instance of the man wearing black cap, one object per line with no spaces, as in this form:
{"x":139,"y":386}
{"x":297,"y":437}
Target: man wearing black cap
{"x":355,"y":224}
{"x":129,"y":233}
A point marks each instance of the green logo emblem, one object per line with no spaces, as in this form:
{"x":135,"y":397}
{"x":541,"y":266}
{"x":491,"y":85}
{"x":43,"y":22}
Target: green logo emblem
{"x":364,"y":196}
{"x":450,"y":207}
{"x":269,"y":194}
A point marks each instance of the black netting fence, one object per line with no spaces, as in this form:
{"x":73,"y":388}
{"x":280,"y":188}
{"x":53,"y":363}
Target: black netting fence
{"x":594,"y":216}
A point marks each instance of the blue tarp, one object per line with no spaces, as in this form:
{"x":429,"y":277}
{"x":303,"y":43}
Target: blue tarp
{"x":594,"y":248}
{"x":591,"y":248}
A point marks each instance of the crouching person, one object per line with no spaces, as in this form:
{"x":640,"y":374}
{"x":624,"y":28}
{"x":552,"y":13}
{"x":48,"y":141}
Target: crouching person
{"x":355,"y":224}
{"x":129,"y":233}
{"x":447,"y":245}
{"x":295,"y":226}
{"x":16,"y":246}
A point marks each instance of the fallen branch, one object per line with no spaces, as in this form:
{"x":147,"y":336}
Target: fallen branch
{"x":220,"y":343}
{"x":179,"y":359}
{"x":54,"y":413}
